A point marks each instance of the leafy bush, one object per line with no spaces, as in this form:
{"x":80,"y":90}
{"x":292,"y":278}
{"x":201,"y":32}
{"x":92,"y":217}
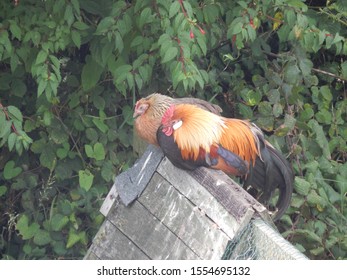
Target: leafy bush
{"x":72,"y":70}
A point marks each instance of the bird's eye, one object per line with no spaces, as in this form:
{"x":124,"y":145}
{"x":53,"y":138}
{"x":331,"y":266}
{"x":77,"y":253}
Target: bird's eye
{"x":143,"y":107}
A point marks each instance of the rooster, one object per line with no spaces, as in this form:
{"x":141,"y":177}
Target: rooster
{"x":191,"y":137}
{"x":238,"y":147}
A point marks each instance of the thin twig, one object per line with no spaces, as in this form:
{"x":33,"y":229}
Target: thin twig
{"x":313,"y":69}
{"x":329,"y":74}
{"x":332,"y":16}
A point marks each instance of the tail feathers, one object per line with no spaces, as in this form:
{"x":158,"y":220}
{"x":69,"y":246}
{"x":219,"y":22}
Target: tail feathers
{"x":269,"y":173}
{"x":284,"y":178}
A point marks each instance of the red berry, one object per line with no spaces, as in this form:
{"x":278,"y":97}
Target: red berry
{"x":191,"y":34}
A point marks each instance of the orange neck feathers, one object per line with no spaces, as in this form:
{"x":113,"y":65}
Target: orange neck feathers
{"x":201,"y":129}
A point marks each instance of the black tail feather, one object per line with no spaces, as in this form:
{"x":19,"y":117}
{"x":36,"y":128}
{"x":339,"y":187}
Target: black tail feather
{"x":270,"y":172}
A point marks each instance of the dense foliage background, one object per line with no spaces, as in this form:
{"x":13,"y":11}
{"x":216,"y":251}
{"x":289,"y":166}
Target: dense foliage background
{"x":71,"y":70}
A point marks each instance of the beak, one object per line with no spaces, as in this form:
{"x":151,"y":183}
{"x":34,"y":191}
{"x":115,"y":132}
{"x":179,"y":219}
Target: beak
{"x":136,"y":112}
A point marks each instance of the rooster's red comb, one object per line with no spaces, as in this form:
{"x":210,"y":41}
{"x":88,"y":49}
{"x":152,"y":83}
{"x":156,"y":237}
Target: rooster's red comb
{"x":168,"y":114}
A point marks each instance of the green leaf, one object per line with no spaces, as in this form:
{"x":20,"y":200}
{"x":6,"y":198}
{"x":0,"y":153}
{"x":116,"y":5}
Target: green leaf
{"x":324,"y":116}
{"x":15,"y":30}
{"x":85,"y":179}
{"x":91,"y":73}
{"x":41,"y":57}
{"x":62,"y":153}
{"x":211,"y":13}
{"x":5,"y":127}
{"x":3,"y":190}
{"x":100,"y":125}
{"x":89,"y":151}
{"x":42,"y":238}
{"x":305,"y":66}
{"x":290,"y":16}
{"x":92,"y":134}
{"x":251,"y":97}
{"x":188,"y":8}
{"x":58,"y":222}
{"x":138,"y":40}
{"x":68,"y":15}
{"x":98,"y":102}
{"x":164,"y":38}
{"x":245,"y":111}
{"x":202,"y":44}
{"x":297,"y":201}
{"x":320,"y":137}
{"x":307,"y":113}
{"x":76,"y":38}
{"x":292,"y":74}
{"x":104,"y":25}
{"x":15,"y":113}
{"x":12,"y":139}
{"x":265,"y":108}
{"x":174,"y":8}
{"x":14,"y":63}
{"x":326,"y":93}
{"x":99,"y":151}
{"x":48,"y":158}
{"x":139,"y":81}
{"x":76,"y":6}
{"x":235,"y":28}
{"x":10,"y":171}
{"x":75,"y":237}
{"x":106,"y":51}
{"x":297,"y":4}
{"x":277,"y":110}
{"x":42,"y":85}
{"x":145,"y":17}
{"x":170,"y":54}
{"x":316,"y":200}
{"x":302,"y":186}
{"x":130,"y":80}
{"x":107,"y":171}
{"x":289,"y":121}
{"x":24,"y":229}
{"x":252,"y":34}
{"x":121,"y":72}
{"x":119,"y":44}
{"x":80,"y":25}
{"x":344,"y":69}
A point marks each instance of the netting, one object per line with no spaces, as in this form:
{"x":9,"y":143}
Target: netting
{"x":259,"y":241}
{"x":243,"y":246}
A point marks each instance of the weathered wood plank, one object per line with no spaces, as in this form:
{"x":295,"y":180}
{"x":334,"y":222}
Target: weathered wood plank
{"x":111,"y":244}
{"x":148,"y":233}
{"x":90,"y":255}
{"x":184,"y":219}
{"x":233,"y":197}
{"x":202,"y":198}
{"x":109,"y":201}
{"x":131,"y":183}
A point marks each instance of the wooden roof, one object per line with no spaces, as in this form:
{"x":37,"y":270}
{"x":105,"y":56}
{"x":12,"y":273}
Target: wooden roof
{"x":157,"y":211}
